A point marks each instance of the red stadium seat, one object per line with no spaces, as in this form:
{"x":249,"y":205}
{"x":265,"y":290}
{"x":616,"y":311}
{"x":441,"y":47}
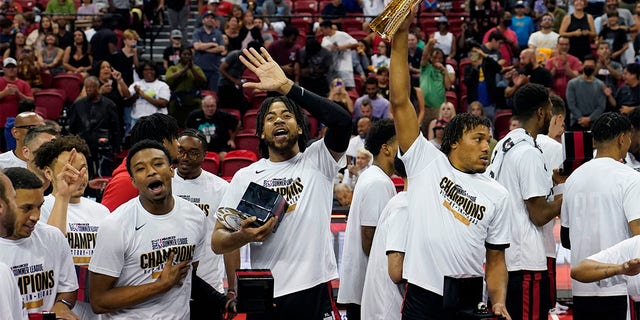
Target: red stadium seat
{"x":233,"y":112}
{"x":250,"y":119}
{"x":350,"y":24}
{"x":211,"y":162}
{"x":49,"y":103}
{"x":308,"y":6}
{"x":236,"y":160}
{"x":313,"y":125}
{"x":453,"y":98}
{"x":503,"y":119}
{"x":248,"y":141}
{"x":70,"y":83}
{"x":303,"y":22}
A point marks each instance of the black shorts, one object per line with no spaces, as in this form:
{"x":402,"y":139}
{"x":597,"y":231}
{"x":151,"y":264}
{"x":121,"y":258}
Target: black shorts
{"x":528,"y":295}
{"x":600,"y":308}
{"x":421,"y":304}
{"x":315,"y":303}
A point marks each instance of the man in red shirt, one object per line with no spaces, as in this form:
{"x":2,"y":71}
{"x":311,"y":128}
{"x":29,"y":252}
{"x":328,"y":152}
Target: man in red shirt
{"x":12,"y":92}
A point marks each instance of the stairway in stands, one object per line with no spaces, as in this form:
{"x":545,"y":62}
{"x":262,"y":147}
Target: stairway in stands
{"x":162,"y":37}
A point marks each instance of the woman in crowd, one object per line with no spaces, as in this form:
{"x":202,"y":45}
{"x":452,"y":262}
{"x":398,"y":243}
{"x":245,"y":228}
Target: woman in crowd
{"x":36,"y":37}
{"x":360,"y":58}
{"x":232,"y":31}
{"x":339,"y":95}
{"x":51,"y":56}
{"x":15,"y":46}
{"x":446,"y":113}
{"x":150,"y":94}
{"x":445,"y":40}
{"x":29,"y":70}
{"x":76,"y":58}
{"x":126,"y":60}
{"x":185,"y":80}
{"x":579,"y":28}
{"x":381,"y":58}
{"x":249,"y":30}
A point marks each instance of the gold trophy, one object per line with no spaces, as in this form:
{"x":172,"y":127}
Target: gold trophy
{"x":388,"y":22}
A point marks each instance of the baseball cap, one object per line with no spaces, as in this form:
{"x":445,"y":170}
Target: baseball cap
{"x":176,"y":34}
{"x":442,"y":19}
{"x":520,"y":4}
{"x":208,"y":13}
{"x":213,"y":1}
{"x":9,"y":61}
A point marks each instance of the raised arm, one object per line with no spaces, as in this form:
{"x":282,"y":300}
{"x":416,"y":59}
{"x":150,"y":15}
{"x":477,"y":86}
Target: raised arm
{"x":272,"y":78}
{"x":404,"y":115}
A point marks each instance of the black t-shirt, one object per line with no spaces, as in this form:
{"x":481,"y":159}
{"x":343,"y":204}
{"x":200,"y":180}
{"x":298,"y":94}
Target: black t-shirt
{"x":541,"y":76}
{"x":171,"y":54}
{"x":100,"y":44}
{"x":217,"y":129}
{"x":332,"y":12}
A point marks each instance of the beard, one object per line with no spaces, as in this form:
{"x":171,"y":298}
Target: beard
{"x":283,"y":147}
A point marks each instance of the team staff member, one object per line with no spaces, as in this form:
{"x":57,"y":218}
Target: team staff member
{"x":464,"y":218}
{"x":143,"y":259}
{"x":305,"y":176}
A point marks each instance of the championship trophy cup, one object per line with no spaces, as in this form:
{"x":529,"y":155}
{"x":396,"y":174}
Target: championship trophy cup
{"x":388,"y":22}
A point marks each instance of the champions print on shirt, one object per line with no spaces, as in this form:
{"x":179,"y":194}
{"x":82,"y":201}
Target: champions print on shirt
{"x":35,"y":283}
{"x":289,"y":188}
{"x":462,"y":205}
{"x":82,"y":241}
{"x":153,"y":262}
{"x":196,"y":200}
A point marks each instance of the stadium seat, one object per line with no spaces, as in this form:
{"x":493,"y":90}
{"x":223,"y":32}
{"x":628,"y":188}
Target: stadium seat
{"x":453,"y":98}
{"x":307,"y":6}
{"x":358,"y":34}
{"x":398,"y":183}
{"x":248,"y":141}
{"x":49,"y":103}
{"x":350,"y":24}
{"x":313,"y":125}
{"x":250,"y":119}
{"x":501,"y":123}
{"x":70,"y":83}
{"x":211,"y":162}
{"x":205,"y":93}
{"x":303,"y":22}
{"x":233,"y":112}
{"x":236,"y":160}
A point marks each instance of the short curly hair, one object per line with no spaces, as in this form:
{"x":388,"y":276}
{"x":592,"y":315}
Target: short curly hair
{"x":49,"y":151}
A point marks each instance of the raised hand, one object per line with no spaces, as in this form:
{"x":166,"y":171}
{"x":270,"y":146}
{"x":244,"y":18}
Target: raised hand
{"x":271,"y":76}
{"x":70,"y":179}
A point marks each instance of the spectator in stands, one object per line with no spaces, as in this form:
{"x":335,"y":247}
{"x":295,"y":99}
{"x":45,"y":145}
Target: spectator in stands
{"x":96,"y":24}
{"x":51,"y":56}
{"x":15,"y":46}
{"x":56,"y":7}
{"x":219,"y":127}
{"x":149,"y":93}
{"x":382,"y":75}
{"x":415,"y":55}
{"x":105,"y":41}
{"x":38,"y":245}
{"x":445,"y":114}
{"x":315,"y":65}
{"x":627,"y":98}
{"x":231,"y":93}
{"x":158,"y":127}
{"x":510,"y":45}
{"x":29,"y":69}
{"x":530,"y":71}
{"x":607,"y":70}
{"x":76,"y":58}
{"x":126,"y":60}
{"x":545,"y":39}
{"x":6,"y":34}
{"x":615,"y":35}
{"x":121,"y":10}
{"x":371,"y":194}
{"x":343,"y":193}
{"x":370,"y":10}
{"x":232,"y":34}
{"x":212,"y":6}
{"x":579,"y":28}
{"x":339,"y":95}
{"x":86,"y":11}
{"x":381,"y":58}
{"x":286,"y":53}
{"x":485,"y":15}
{"x":469,"y":32}
{"x":379,"y":104}
{"x":276,"y":13}
{"x":65,"y":38}
{"x":209,"y":46}
{"x":185,"y":81}
{"x":445,"y":40}
{"x":24,"y":122}
{"x":36,"y":37}
{"x":558,"y":14}
{"x":522,"y":24}
{"x":563,"y":67}
{"x":114,"y":88}
{"x":493,"y":46}
{"x":483,"y":88}
{"x":250,"y":31}
{"x":178,"y":14}
{"x":586,"y":97}
{"x":625,"y":18}
{"x":360,"y":59}
{"x":12,"y":91}
{"x":434,"y":80}
{"x":340,"y":44}
{"x":357,"y":166}
{"x":361,"y":127}
{"x":334,"y":11}
{"x":95,"y":119}
{"x":171,"y":54}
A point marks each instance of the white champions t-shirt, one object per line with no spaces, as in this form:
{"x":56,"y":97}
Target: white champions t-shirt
{"x":83,"y":219}
{"x":552,"y":154}
{"x":156,"y":90}
{"x":453,"y":214}
{"x":133,"y":245}
{"x":524,"y":174}
{"x":373,"y":190}
{"x":41,"y":265}
{"x":9,"y":160}
{"x":300,"y":253}
{"x":206,"y":192}
{"x":600,"y":198}
{"x":343,"y":61}
{"x":381,"y":298}
{"x":618,"y":254}
{"x":10,"y":300}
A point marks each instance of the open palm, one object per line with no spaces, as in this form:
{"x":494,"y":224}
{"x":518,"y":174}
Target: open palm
{"x":271,"y":76}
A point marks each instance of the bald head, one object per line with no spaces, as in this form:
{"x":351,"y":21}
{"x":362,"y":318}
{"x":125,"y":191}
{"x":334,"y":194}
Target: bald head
{"x":24,"y":122}
{"x":209,"y":106}
{"x":363,"y":126}
{"x":527,"y":56}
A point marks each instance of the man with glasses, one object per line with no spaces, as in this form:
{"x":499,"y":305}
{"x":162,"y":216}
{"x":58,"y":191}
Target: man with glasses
{"x":12,"y":92}
{"x":546,"y":39}
{"x":24,"y":121}
{"x":219,"y":127}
